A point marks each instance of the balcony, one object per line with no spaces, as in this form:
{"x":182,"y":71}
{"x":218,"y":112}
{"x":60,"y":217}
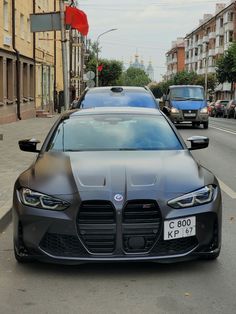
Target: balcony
{"x":211,"y":69}
{"x":204,"y":55}
{"x":212,"y":35}
{"x":220,"y":31}
{"x":219,"y":50}
{"x":199,"y":42}
{"x":205,"y":39}
{"x":229,"y":26}
{"x":211,"y":52}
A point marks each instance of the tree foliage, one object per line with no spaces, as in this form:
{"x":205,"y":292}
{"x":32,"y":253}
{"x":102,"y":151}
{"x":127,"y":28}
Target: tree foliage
{"x":110,"y":73}
{"x":226,"y":66}
{"x":134,"y":77}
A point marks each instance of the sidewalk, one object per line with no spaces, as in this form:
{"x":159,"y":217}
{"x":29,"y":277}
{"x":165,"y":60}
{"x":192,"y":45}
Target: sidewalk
{"x":13,"y":161}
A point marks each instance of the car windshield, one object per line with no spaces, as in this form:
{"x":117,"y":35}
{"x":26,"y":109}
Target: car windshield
{"x":187,"y":92}
{"x":122,"y":99}
{"x":114,"y":132}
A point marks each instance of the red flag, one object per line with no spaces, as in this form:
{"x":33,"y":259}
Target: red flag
{"x":77,"y":19}
{"x":100,"y":67}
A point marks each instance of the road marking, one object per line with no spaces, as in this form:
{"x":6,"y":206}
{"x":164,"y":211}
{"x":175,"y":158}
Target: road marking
{"x":227,"y":189}
{"x":223,"y":130}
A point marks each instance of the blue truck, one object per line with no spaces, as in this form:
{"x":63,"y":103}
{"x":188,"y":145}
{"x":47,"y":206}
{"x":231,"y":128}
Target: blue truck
{"x":186,"y":103}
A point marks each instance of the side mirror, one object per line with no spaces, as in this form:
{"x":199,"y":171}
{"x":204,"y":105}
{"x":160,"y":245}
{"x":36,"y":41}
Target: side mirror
{"x":166,"y":111}
{"x":29,"y":145}
{"x":198,"y":142}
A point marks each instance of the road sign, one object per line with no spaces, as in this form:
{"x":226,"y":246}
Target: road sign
{"x":90,"y":75}
{"x":45,"y":22}
{"x":90,"y":83}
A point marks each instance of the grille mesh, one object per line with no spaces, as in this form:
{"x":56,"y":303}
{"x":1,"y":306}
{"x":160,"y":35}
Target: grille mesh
{"x":96,"y":226}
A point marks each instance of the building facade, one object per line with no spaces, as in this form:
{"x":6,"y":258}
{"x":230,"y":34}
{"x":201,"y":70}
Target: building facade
{"x":30,"y":64}
{"x":16,"y":61}
{"x":208,"y":42}
{"x":175,"y":58}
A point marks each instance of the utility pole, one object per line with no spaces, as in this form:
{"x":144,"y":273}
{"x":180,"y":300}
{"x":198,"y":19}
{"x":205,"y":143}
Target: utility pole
{"x":64,"y":56}
{"x":206,"y":71}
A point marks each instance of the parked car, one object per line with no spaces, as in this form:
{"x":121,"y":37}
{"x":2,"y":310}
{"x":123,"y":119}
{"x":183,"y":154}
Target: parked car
{"x":112,"y":185}
{"x":211,"y":109}
{"x":116,"y":96}
{"x":220,"y":106}
{"x":230,"y":109}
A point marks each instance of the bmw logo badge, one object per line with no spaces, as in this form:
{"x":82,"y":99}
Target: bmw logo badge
{"x":118,"y":198}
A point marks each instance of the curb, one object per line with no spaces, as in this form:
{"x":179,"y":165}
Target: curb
{"x":5,"y":220}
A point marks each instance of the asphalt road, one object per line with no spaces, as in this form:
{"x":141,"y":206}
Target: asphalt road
{"x":193,"y":287}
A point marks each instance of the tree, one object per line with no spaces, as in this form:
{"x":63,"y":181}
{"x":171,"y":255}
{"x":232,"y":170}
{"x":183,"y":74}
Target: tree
{"x":134,"y":77}
{"x":110,"y":73}
{"x":226,"y":67}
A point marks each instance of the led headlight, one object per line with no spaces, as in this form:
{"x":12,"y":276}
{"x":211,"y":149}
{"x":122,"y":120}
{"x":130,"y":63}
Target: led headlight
{"x":39,"y":200}
{"x":174,"y":110}
{"x":204,"y":110}
{"x":199,"y":197}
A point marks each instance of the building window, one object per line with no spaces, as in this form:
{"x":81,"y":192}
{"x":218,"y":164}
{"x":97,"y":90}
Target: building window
{"x":221,"y":22}
{"x":5,"y":15}
{"x":221,"y":43}
{"x":1,"y":79}
{"x":28,"y":30}
{"x":231,"y":36}
{"x":9,"y":79}
{"x":22,"y":26}
{"x":31,"y":93}
{"x":230,"y":16}
{"x":25,"y":80}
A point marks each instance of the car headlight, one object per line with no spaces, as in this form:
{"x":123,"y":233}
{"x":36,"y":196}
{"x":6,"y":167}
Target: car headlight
{"x":204,"y":110}
{"x":199,"y":197}
{"x":174,"y":110}
{"x":43,"y":201}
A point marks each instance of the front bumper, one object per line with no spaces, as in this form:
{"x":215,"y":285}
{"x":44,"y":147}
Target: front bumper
{"x":54,"y":236}
{"x":189,"y":115}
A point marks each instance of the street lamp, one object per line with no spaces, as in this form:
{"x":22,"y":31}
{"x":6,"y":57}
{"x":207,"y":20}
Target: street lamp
{"x":97,"y":42}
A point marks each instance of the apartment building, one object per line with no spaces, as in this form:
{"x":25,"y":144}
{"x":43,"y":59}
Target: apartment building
{"x":175,"y":58}
{"x":206,"y":43}
{"x":16,"y":61}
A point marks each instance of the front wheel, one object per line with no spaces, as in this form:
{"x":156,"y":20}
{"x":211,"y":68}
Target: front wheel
{"x":205,"y":125}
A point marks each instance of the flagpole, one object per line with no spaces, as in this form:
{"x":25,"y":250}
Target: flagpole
{"x":64,"y":56}
{"x":97,"y":43}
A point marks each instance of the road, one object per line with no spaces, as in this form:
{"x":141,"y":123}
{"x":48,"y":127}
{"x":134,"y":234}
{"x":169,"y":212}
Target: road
{"x":193,"y":287}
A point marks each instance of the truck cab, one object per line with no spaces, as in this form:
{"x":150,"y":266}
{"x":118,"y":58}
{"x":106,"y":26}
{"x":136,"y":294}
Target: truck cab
{"x":186,"y":103}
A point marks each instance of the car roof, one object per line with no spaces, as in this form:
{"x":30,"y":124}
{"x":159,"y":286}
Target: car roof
{"x":112,"y":110}
{"x":105,"y":89}
{"x":178,"y":86}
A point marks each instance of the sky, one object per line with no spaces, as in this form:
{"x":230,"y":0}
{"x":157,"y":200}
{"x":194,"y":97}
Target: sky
{"x":147,"y":27}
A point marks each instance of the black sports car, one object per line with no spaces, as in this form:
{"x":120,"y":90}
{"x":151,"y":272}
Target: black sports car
{"x":116,"y":184}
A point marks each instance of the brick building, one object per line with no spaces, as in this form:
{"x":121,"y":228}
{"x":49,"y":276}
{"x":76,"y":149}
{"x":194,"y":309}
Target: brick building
{"x":175,"y":58}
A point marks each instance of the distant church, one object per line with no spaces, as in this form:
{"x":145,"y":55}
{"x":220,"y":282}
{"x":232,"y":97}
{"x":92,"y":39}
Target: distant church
{"x":140,"y":65}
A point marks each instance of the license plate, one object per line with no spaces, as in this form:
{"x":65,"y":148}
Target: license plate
{"x":190,"y":114}
{"x":179,"y":228}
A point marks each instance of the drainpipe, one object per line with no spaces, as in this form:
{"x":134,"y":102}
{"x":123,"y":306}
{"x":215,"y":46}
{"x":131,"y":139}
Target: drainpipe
{"x":55,"y":66}
{"x":17,"y":82}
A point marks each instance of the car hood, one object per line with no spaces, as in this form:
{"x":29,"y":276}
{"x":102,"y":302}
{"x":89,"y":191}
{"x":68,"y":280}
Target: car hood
{"x":102,"y":175}
{"x":188,"y":104}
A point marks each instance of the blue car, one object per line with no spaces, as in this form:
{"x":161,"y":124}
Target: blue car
{"x":116,"y":96}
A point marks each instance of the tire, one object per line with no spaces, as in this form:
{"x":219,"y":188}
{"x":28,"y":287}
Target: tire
{"x":205,"y":125}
